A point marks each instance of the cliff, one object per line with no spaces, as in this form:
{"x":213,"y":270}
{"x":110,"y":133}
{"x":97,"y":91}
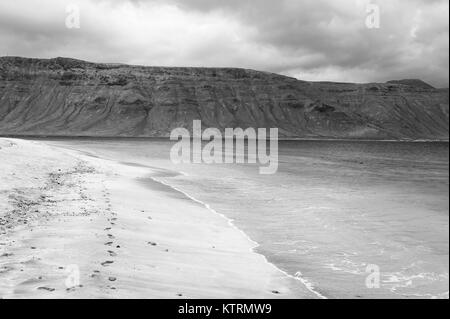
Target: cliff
{"x":67,"y":97}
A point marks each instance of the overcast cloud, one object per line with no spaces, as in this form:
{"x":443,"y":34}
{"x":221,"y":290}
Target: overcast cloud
{"x":308,"y":39}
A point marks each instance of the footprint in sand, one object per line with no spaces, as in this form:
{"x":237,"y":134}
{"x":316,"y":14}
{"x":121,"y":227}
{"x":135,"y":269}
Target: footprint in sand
{"x":96,"y":273}
{"x":74,"y":288}
{"x":109,"y":243}
{"x":111,"y":253}
{"x":46,"y":288}
{"x":152,"y":243}
{"x":111,"y":236}
{"x":107,"y":263}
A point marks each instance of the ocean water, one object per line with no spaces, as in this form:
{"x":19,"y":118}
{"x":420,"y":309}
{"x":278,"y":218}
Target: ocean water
{"x":352,"y":219}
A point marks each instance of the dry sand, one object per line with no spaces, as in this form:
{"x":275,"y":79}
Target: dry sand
{"x":63,"y":214}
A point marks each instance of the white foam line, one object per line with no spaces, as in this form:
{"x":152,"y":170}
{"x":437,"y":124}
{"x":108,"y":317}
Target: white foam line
{"x":305,"y":282}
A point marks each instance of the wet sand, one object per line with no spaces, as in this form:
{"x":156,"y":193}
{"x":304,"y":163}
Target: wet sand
{"x":75,"y":226}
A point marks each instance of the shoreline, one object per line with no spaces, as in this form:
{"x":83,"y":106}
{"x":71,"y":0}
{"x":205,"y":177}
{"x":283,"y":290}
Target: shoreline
{"x":255,"y":244}
{"x":208,"y":258}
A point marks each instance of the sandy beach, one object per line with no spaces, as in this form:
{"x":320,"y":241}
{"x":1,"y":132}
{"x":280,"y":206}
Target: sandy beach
{"x":76,"y":226}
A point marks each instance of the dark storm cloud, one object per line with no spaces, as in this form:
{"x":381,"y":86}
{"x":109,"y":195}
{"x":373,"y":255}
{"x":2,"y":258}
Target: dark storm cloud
{"x":412,"y":40}
{"x":309,"y":39}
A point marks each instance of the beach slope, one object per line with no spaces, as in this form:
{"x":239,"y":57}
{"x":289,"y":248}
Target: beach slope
{"x":74,"y":226}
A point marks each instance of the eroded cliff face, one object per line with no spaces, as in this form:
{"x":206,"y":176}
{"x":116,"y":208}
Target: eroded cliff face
{"x":67,"y":97}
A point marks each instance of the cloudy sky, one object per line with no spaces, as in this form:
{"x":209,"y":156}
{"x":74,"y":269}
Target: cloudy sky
{"x":307,"y":39}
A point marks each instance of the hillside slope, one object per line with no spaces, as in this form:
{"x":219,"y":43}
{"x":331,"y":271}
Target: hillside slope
{"x":75,"y":98}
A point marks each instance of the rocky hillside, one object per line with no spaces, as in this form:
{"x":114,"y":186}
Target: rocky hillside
{"x":70,"y":97}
